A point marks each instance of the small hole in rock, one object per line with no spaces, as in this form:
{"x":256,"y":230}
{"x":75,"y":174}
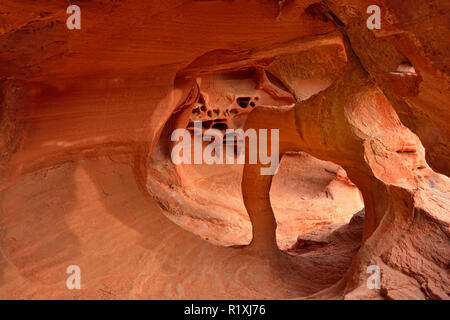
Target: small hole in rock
{"x":243,"y":102}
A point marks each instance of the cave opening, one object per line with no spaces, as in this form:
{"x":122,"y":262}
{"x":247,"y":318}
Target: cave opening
{"x":311,"y":199}
{"x":361,"y":107}
{"x":319,"y":214}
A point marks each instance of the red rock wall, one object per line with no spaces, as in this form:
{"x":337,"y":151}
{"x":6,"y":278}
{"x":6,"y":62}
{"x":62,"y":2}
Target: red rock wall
{"x":82,"y":118}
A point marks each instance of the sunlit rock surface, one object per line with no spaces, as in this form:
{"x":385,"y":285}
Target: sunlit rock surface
{"x":86,"y":176}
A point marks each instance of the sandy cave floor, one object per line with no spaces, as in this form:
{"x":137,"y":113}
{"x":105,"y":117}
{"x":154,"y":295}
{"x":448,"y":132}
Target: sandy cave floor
{"x":91,"y":213}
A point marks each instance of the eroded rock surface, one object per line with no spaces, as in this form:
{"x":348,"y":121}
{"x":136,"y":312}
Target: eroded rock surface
{"x":86,"y":117}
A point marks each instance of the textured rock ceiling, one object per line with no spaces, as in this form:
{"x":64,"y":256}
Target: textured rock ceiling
{"x":85,"y":170}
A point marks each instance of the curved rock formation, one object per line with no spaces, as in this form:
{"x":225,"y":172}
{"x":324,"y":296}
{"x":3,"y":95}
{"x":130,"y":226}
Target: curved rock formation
{"x":86,"y":177}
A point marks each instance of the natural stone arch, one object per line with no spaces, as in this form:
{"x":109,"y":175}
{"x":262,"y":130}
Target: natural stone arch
{"x":353,"y":124}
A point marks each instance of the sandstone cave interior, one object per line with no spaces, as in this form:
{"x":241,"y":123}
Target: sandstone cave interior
{"x":86,"y":175}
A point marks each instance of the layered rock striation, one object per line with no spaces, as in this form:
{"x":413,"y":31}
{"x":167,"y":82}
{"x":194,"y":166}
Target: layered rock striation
{"x":87,"y":178}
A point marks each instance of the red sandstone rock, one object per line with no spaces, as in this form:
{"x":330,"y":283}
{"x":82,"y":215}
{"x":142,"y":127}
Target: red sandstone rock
{"x":86,"y":117}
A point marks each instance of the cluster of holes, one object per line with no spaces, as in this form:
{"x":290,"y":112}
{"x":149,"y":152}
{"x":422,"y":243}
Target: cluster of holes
{"x":213,"y":115}
{"x":215,"y":120}
{"x":201,"y":107}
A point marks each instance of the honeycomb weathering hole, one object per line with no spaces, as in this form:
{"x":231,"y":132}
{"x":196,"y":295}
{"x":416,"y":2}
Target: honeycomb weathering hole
{"x":220,"y":126}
